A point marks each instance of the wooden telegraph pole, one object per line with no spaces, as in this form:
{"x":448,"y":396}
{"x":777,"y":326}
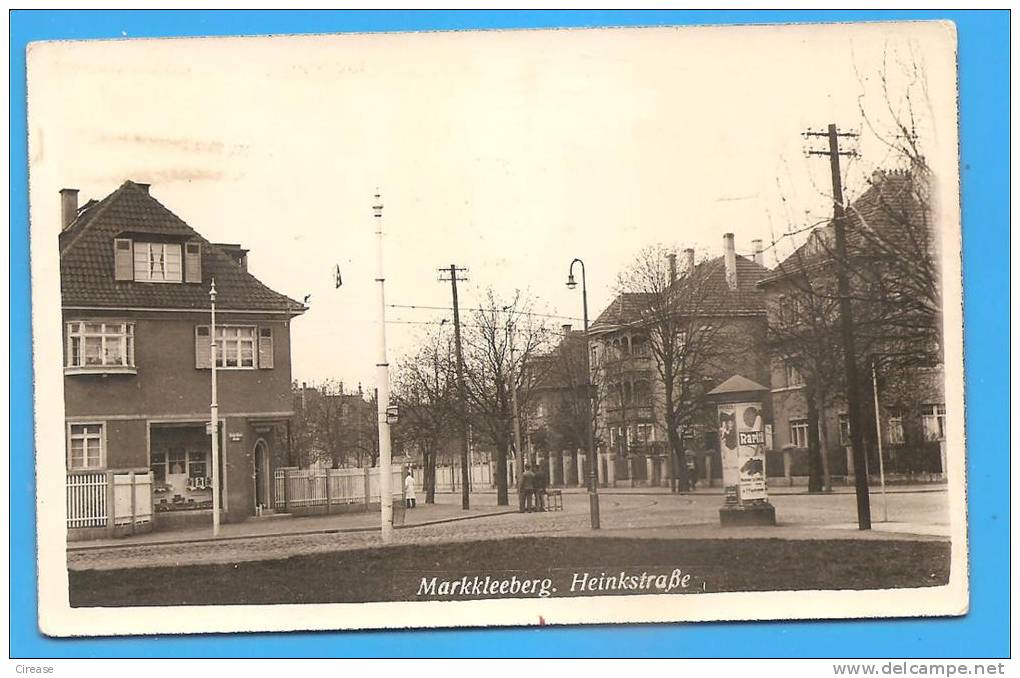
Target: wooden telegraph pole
{"x":846,"y":321}
{"x":465,"y":471}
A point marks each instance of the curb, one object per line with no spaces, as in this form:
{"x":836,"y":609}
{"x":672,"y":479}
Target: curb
{"x":331,"y":530}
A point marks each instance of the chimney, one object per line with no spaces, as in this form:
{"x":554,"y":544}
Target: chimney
{"x":688,"y":260}
{"x":566,"y":329}
{"x":730,"y":255}
{"x":68,"y":207}
{"x":672,"y":266}
{"x":235,"y":252}
{"x":144,"y":187}
{"x":759,"y":255}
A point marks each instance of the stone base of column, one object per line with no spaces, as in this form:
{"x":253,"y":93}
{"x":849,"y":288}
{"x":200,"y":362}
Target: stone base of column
{"x":759,"y":513}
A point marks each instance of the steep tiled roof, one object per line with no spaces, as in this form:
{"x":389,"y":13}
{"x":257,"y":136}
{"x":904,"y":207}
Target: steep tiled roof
{"x":87,"y":261}
{"x":747,"y":299}
{"x":887,"y":207}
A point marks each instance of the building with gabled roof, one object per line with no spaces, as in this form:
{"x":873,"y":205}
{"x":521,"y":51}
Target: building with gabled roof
{"x":135,"y":282}
{"x":892,"y":254}
{"x":633,"y":442}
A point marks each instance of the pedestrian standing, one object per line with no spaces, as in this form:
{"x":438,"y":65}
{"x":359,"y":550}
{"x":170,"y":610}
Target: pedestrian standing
{"x":409,"y":498}
{"x":526,"y":488}
{"x":540,"y":483}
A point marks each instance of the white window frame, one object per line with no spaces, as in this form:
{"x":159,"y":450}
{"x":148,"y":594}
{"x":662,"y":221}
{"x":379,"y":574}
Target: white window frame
{"x":896,"y":434}
{"x":798,"y":430}
{"x":790,"y":368}
{"x":933,"y":413}
{"x":843,"y":422}
{"x":221,"y":342}
{"x":146,"y":274}
{"x":85,"y":438}
{"x":109,"y":331}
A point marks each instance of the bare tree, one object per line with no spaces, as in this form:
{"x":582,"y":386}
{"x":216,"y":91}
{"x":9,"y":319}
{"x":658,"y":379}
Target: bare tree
{"x":891,"y":265}
{"x":687,"y":334}
{"x":425,"y":389}
{"x":559,"y":378}
{"x":333,"y":426}
{"x":492,"y":371}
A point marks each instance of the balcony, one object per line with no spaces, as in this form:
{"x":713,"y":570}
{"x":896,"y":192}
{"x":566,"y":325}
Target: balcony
{"x":634,"y":414}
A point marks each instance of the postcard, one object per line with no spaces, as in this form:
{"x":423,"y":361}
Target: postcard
{"x":489,"y":328}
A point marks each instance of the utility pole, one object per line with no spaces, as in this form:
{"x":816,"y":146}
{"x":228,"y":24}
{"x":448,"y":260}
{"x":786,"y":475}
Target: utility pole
{"x":878,"y":437}
{"x":464,"y":470}
{"x":514,"y":415}
{"x":846,"y":321}
{"x":383,"y":388}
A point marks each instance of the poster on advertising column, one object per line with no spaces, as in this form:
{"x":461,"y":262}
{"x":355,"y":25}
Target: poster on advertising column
{"x":728,"y":452}
{"x":750,"y":452}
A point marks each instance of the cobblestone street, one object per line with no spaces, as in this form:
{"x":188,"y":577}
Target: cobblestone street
{"x":919,"y":515}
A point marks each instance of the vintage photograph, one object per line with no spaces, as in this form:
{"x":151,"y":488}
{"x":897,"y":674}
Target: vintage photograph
{"x":482,"y":328}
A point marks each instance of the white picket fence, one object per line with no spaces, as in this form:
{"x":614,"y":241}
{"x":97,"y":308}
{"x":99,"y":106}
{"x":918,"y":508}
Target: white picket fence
{"x":92,"y":494}
{"x":298,"y":488}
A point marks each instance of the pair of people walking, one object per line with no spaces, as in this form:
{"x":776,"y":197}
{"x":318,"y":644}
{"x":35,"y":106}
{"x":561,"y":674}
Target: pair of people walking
{"x":531,"y":489}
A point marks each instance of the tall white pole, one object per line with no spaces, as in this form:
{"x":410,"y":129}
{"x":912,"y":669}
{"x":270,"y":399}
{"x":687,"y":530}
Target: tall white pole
{"x":878,"y":434}
{"x":383,"y":385}
{"x":214,"y":413}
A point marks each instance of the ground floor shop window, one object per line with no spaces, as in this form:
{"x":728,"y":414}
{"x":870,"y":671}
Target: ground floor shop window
{"x":179,"y":460}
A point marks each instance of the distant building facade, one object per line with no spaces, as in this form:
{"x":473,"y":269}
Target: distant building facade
{"x":554,"y":423}
{"x":633,"y":442}
{"x":908,"y":373}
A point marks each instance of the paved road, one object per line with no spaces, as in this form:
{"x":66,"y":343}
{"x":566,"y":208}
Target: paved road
{"x":923,"y":515}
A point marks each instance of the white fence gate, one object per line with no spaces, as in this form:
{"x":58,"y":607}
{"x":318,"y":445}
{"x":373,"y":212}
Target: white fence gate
{"x":97,"y":499}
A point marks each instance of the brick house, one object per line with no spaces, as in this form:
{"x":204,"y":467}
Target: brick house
{"x":633,"y":443}
{"x":801,"y":303}
{"x":135,"y":282}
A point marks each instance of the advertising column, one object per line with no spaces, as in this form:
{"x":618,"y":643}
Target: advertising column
{"x":742,"y":450}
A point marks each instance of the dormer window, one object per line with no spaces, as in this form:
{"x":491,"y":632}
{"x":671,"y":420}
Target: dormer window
{"x":158,"y":262}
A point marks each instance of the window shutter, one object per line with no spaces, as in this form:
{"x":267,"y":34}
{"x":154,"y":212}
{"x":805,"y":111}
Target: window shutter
{"x":123,"y":259}
{"x":265,"y":348}
{"x":202,"y":361}
{"x":193,"y":262}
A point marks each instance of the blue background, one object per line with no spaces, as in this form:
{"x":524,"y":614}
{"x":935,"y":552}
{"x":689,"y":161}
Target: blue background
{"x":984,"y":117}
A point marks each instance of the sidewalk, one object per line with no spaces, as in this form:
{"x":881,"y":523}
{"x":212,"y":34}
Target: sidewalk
{"x":717,"y":490}
{"x":444,"y":511}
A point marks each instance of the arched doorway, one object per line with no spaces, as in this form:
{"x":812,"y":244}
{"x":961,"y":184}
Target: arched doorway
{"x":261,"y":461}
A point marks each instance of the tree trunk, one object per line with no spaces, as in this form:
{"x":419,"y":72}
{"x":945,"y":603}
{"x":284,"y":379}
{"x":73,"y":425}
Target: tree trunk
{"x":823,"y":442}
{"x":429,"y":479}
{"x":676,"y":447}
{"x":502,"y":494}
{"x":815,"y":477}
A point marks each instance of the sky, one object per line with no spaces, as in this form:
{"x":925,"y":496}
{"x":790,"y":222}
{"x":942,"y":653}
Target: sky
{"x":505,"y":152}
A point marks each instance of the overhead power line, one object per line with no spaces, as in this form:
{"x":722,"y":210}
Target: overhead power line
{"x":484,"y":310}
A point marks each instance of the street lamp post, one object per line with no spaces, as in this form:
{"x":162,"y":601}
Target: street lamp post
{"x":214,"y":413}
{"x":383,"y":388}
{"x":593,"y":487}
